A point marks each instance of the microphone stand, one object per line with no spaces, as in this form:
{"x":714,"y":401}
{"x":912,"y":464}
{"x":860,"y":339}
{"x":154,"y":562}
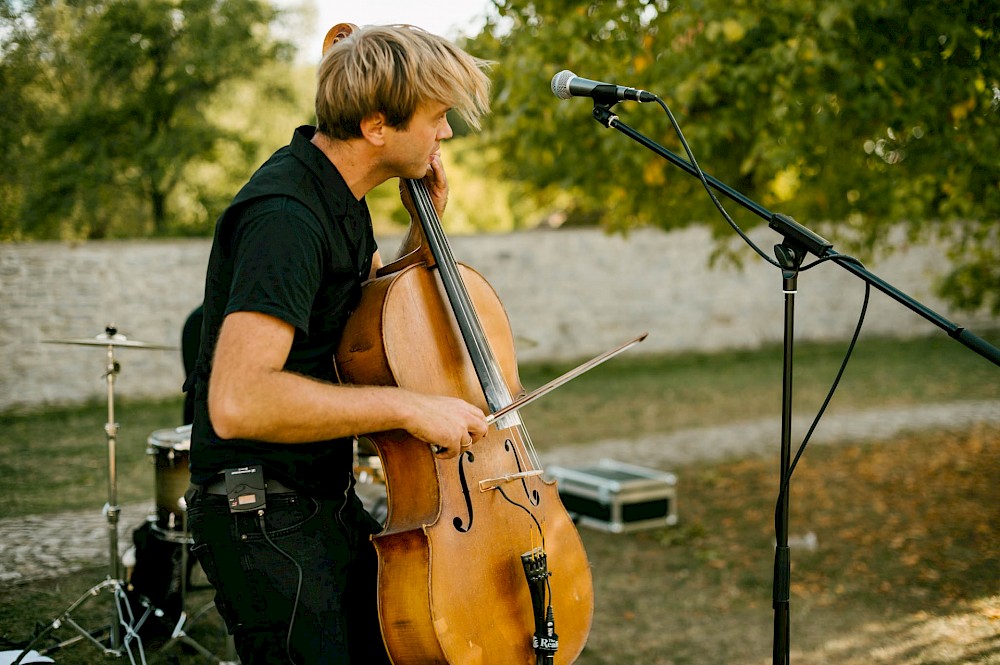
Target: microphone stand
{"x":798,"y":241}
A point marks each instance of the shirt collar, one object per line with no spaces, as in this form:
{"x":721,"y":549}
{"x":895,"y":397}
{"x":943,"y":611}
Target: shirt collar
{"x":336,"y":192}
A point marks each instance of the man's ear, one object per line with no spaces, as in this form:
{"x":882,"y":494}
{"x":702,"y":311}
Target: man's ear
{"x":373,"y":128}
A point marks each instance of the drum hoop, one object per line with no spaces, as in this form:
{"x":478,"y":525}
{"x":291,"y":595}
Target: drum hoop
{"x":171,"y":438}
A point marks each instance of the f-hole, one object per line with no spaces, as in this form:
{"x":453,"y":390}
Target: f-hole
{"x":458,"y":522}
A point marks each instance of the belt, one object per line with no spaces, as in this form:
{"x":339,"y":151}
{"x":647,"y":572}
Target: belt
{"x":272,"y":486}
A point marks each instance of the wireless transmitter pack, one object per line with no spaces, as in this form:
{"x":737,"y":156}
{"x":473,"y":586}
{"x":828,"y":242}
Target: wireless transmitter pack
{"x":245,"y":488}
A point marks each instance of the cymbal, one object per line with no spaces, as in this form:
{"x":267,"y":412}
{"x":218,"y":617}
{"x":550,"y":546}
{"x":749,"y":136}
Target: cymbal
{"x":105,"y":339}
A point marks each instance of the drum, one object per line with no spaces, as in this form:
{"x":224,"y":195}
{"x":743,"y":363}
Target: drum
{"x":171,"y":450}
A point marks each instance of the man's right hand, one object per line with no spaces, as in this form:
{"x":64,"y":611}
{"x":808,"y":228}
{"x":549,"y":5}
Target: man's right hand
{"x":448,"y":424}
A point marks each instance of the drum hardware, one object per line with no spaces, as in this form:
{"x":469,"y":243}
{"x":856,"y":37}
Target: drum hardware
{"x":111,"y":338}
{"x":123,"y":635}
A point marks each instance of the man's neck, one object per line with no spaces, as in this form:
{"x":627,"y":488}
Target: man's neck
{"x":353,"y":160}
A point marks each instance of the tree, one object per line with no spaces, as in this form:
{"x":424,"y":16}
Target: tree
{"x":110,"y":103}
{"x":865,"y":113}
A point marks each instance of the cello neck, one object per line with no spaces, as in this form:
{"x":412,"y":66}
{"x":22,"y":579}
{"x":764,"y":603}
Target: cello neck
{"x":483,"y":361}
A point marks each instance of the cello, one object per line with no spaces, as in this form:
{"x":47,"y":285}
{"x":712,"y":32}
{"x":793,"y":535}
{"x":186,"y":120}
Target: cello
{"x":479,"y":562}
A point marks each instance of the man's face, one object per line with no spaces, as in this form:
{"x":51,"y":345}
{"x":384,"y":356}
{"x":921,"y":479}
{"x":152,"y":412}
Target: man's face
{"x":409,"y":151}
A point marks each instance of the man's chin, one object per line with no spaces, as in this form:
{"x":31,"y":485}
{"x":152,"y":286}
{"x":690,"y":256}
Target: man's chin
{"x":419,"y":173}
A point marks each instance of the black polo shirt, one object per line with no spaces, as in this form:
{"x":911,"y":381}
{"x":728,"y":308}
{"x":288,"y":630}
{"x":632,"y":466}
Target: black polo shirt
{"x":294,"y":244}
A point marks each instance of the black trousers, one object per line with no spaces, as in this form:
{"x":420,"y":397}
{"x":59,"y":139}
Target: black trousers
{"x":296,"y":585}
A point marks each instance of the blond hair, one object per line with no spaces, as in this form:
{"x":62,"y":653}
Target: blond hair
{"x":392,"y":70}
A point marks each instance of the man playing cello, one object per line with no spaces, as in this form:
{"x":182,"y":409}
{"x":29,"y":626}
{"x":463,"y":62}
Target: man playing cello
{"x":275,"y":521}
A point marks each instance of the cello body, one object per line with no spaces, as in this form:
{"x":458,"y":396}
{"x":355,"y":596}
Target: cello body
{"x":452,"y":585}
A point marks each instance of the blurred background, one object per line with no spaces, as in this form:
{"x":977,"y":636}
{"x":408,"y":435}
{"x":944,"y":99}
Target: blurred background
{"x":140,"y":118}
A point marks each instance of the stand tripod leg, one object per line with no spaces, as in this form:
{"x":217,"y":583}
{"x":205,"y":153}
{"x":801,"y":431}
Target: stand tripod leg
{"x":179,"y":636}
{"x":131,"y":626}
{"x":122,"y":618}
{"x":67,"y":618}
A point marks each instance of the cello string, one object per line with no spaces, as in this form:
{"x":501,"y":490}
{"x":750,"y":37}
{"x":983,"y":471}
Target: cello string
{"x":449,"y":269}
{"x":494,"y":384}
{"x":462,"y":303}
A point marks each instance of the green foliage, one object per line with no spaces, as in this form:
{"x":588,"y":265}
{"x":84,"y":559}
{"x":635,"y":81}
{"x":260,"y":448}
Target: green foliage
{"x":873,"y":113}
{"x":110,"y":103}
{"x":138,"y":117}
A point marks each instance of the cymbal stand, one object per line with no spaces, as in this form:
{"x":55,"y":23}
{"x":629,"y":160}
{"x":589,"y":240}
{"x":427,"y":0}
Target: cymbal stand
{"x":124,"y":626}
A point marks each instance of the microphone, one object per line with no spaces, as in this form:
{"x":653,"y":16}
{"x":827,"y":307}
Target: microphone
{"x":566,"y":84}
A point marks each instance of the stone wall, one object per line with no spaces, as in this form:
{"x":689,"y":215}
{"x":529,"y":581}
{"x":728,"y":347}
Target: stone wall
{"x":569,"y":295}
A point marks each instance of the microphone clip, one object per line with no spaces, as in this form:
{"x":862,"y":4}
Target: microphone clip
{"x":602,"y":113}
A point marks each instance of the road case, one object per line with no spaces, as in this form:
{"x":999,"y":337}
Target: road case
{"x":617,"y":497}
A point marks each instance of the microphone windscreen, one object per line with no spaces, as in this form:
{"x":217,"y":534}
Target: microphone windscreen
{"x":560,"y":84}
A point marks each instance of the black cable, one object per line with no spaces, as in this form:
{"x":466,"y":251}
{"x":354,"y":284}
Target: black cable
{"x":541,"y":535}
{"x":843,"y":366}
{"x":839,"y":257}
{"x":708,"y":188}
{"x":548,"y":578}
{"x":298,"y":589}
{"x":833,"y":257}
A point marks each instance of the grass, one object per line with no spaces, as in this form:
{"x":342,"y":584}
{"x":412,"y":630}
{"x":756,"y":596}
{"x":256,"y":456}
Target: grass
{"x":58,"y":460}
{"x":648,"y":395}
{"x":905,"y":568}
